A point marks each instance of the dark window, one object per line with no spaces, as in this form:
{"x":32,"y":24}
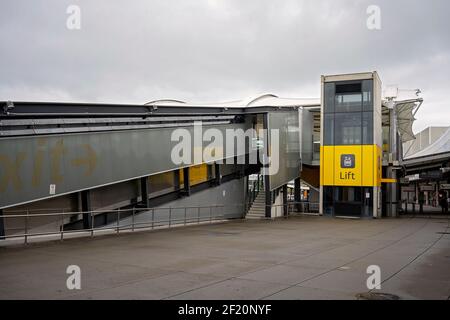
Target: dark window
{"x":367,"y":92}
{"x":329,"y":98}
{"x":328,"y":129}
{"x":347,"y":88}
{"x":367,"y":127}
{"x":348,"y":201}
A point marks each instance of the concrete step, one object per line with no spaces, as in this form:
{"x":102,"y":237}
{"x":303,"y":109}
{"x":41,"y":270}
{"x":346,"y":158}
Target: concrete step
{"x":260,"y":201}
{"x":254,"y":217}
{"x":256,"y":213}
{"x":257,"y":209}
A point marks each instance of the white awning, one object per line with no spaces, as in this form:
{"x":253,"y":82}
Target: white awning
{"x":405,"y":114}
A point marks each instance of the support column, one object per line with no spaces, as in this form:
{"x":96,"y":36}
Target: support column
{"x":266,"y":169}
{"x":176,"y":180}
{"x":2,"y":226}
{"x":268,"y":194}
{"x":187,"y":184}
{"x":297,"y":193}
{"x":86,"y":209}
{"x":285,"y":200}
{"x":217,"y":174}
{"x":145,"y":192}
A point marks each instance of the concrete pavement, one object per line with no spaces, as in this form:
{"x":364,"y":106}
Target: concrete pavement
{"x":298,"y":258}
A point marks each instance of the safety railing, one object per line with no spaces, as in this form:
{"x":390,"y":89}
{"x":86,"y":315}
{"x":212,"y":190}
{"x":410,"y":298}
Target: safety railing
{"x":293,"y":208}
{"x":33,"y":225}
{"x":254,"y":189}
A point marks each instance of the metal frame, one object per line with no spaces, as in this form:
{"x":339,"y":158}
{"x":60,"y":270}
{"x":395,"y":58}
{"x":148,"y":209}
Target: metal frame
{"x":213,"y":215}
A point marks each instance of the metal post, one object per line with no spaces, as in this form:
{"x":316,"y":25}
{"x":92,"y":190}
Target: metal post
{"x":187,"y":184}
{"x":153,"y":218}
{"x":92,"y":225}
{"x":218,"y":174}
{"x":285,"y":200}
{"x":86,"y":208}
{"x":118,"y":220}
{"x":185,"y":216}
{"x":170,"y":216}
{"x":2,"y":226}
{"x":145,"y":192}
{"x":26,"y":228}
{"x":62,"y":225}
{"x":132,"y":220}
{"x":297,"y":193}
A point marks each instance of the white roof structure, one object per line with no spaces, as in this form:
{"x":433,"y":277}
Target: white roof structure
{"x":406,"y":111}
{"x":442,"y":145}
{"x":264,"y":100}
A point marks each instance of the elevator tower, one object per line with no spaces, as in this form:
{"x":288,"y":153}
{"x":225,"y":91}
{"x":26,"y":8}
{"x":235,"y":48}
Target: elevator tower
{"x":351,"y":145}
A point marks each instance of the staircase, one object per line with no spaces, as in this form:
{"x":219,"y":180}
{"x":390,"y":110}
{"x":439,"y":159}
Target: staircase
{"x":258,"y":209}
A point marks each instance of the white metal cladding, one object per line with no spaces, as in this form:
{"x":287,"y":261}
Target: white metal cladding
{"x":405,"y":114}
{"x":80,"y":161}
{"x":442,"y":145}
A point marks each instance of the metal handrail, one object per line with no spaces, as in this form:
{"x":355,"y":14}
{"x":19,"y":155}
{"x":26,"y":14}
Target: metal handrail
{"x":117,"y":227}
{"x":180,"y":218}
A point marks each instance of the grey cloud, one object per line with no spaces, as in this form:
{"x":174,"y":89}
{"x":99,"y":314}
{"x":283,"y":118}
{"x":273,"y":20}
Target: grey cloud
{"x":219,"y":50}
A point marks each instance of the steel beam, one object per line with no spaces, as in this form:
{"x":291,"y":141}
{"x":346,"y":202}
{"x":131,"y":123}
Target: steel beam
{"x":2,"y":226}
{"x":217,"y":173}
{"x":297,"y":193}
{"x":145,"y":192}
{"x":86,"y":209}
{"x":267,"y":190}
{"x":187,"y":183}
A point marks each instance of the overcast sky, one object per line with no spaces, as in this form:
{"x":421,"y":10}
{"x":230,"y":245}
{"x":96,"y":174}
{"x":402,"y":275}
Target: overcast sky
{"x":203,"y":51}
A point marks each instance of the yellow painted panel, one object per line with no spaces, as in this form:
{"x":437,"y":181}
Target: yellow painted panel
{"x":321,"y":165}
{"x":348,"y":176}
{"x":327,"y":166}
{"x":369,"y":160}
{"x":363,"y":167}
{"x":197,"y":174}
{"x":379,"y":155}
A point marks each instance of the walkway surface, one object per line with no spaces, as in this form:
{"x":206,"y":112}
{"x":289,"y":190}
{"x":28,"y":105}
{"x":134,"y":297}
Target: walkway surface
{"x":299,"y":258}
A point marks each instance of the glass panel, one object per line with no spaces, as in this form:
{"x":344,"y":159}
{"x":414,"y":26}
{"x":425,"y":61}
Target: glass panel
{"x":367,"y":90}
{"x":346,"y":88}
{"x":328,"y":130}
{"x":348,"y":201}
{"x":348,"y":102}
{"x":367,"y":127}
{"x":329,"y":98}
{"x":347,"y":129}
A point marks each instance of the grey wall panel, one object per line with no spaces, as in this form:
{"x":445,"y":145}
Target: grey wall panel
{"x":230,"y":195}
{"x":306,"y":134}
{"x":288,"y":149}
{"x":73,"y":162}
{"x":67,"y":203}
{"x":114,"y":196}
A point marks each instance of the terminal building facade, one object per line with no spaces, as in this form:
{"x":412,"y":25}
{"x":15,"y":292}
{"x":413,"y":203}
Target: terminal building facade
{"x":70,"y":167}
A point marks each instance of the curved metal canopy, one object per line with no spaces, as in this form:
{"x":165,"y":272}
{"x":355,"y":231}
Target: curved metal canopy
{"x":405,"y":112}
